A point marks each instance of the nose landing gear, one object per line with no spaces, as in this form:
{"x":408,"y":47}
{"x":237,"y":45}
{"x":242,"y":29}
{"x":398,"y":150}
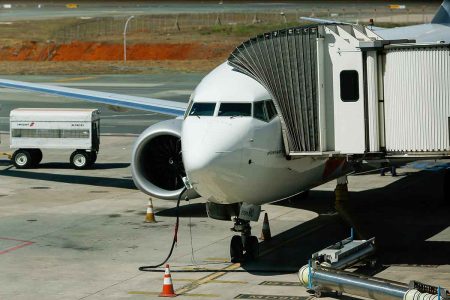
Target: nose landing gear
{"x":244,"y":247}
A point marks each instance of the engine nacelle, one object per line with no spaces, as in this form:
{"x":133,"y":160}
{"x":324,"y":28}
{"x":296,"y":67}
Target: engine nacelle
{"x":156,"y":163}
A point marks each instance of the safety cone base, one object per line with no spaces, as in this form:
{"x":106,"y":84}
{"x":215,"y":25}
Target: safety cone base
{"x":150,"y":218}
{"x":167,"y":295}
{"x":163,"y":294}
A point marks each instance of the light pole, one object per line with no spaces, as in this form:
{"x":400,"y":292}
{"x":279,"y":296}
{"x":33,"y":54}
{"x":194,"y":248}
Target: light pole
{"x":125,"y":39}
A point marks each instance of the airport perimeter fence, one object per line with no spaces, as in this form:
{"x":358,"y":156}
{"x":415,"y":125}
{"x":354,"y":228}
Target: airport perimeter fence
{"x":167,"y":23}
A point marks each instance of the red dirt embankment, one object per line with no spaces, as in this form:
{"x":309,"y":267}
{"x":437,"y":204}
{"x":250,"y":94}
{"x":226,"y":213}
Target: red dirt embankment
{"x":92,"y":51}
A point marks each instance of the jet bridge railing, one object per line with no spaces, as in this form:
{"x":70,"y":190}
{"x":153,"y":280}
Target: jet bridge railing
{"x":285,"y":63}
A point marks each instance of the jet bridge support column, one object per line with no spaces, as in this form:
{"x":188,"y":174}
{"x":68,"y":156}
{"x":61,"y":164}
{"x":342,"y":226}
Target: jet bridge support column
{"x":341,"y":190}
{"x":372,"y":100}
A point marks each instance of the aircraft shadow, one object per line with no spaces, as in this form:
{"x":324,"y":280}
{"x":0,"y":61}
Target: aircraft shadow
{"x":194,"y":210}
{"x":403,"y":217}
{"x":77,"y":179}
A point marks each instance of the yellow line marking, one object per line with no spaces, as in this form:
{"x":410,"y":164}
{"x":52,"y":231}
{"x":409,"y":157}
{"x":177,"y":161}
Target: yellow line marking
{"x":74,"y":79}
{"x":195,"y":284}
{"x":184,"y":279}
{"x":188,"y":295}
{"x":217,"y":259}
{"x":229,"y":281}
{"x":212,"y":281}
{"x":142,"y":293}
{"x":202,"y":295}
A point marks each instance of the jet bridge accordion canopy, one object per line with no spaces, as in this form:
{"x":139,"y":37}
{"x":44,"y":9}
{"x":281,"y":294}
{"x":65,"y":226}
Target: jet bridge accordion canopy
{"x":285,"y":63}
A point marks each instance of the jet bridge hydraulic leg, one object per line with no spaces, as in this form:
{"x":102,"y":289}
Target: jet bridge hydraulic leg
{"x":341,"y":190}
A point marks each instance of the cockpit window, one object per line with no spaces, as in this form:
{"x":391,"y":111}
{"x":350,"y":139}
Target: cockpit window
{"x":264,"y":110}
{"x":271,"y":110}
{"x":202,"y":109}
{"x":235,"y":109}
{"x":260,"y":111}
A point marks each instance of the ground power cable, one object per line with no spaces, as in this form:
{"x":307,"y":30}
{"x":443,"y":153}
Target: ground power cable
{"x":174,"y":240}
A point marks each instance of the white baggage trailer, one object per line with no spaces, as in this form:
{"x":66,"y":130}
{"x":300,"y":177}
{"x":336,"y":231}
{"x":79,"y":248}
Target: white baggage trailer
{"x":33,"y":129}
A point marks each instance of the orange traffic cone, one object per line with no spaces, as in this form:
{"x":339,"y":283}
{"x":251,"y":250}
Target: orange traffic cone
{"x":265,"y":233}
{"x":167,"y":290}
{"x":150,"y":216}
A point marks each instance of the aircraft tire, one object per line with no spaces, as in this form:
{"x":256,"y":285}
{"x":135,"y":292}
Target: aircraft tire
{"x":236,"y":249}
{"x":252,"y":248}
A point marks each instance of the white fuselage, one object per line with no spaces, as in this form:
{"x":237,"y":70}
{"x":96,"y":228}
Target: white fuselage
{"x":230,"y":156}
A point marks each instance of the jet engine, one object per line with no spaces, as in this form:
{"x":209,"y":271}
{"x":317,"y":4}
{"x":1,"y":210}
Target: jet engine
{"x":156,"y":163}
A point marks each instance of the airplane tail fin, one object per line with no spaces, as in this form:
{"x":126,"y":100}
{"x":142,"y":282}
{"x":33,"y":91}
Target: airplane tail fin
{"x":442,"y":16}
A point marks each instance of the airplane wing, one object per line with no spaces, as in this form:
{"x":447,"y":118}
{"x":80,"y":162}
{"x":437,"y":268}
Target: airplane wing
{"x":166,"y":107}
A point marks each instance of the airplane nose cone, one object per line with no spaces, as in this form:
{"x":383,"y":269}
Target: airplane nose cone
{"x":212,"y":148}
{"x":195,"y":155}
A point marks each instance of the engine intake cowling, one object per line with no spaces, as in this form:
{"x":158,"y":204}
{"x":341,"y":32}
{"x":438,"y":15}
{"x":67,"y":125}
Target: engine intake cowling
{"x":156,"y":163}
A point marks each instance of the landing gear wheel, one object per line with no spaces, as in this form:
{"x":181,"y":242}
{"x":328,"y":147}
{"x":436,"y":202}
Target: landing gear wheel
{"x":317,"y":293}
{"x":251,"y":247}
{"x":36,"y":156}
{"x":22,"y":159}
{"x":236,"y":249}
{"x":80,"y":159}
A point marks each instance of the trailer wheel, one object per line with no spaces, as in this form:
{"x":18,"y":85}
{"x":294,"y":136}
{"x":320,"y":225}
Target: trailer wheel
{"x":79,"y":159}
{"x":22,"y":159}
{"x":36,"y":156}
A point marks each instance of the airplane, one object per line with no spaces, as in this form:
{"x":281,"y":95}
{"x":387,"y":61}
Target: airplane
{"x":226,"y":144}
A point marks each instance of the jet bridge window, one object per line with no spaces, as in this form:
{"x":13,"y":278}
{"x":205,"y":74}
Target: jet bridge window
{"x":264,"y":110}
{"x":235,"y":110}
{"x":349,"y":86}
{"x":202,"y":109}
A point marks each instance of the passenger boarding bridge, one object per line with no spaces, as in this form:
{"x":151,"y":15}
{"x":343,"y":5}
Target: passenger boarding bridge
{"x":343,"y":90}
